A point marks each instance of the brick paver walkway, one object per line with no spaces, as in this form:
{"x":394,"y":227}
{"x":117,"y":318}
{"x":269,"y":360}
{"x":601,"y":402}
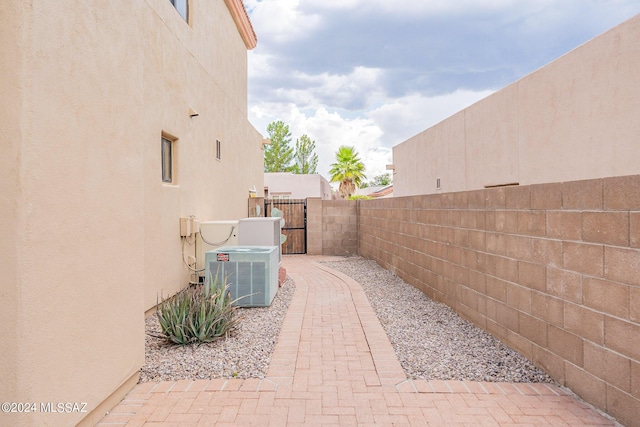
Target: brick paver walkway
{"x":334,"y":365}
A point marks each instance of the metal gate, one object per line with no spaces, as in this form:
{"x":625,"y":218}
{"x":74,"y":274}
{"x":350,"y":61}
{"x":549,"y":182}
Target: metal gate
{"x":294,"y":212}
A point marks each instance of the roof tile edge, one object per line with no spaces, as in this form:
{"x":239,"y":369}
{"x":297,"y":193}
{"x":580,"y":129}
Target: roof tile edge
{"x":241,"y":18}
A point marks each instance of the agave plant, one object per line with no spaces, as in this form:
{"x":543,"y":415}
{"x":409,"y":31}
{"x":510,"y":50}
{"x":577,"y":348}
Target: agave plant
{"x":198,"y":314}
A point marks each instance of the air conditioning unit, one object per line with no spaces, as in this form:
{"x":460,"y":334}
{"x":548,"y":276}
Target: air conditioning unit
{"x":212,"y":235}
{"x":261,"y":232}
{"x":251,"y":272}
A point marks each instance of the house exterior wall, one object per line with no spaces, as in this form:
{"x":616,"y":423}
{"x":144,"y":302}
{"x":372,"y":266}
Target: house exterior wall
{"x":297,"y":186}
{"x":90,"y":232}
{"x":573,"y":119}
{"x":549,"y":269}
{"x":205,"y":187}
{"x":11,"y":207}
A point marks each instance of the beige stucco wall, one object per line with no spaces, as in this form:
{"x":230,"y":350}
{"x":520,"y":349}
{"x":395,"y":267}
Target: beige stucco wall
{"x":90,"y":233}
{"x":181,"y":56}
{"x":575,"y":118}
{"x":10,"y":203}
{"x":297,"y":186}
{"x":77,"y":204}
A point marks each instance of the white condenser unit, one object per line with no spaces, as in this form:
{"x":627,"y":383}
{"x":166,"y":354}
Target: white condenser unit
{"x":212,"y":235}
{"x":260,"y":231}
{"x":251,"y":272}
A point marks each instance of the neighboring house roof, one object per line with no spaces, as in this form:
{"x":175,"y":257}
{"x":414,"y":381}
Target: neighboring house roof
{"x":297,"y":186}
{"x":383,"y":192}
{"x":376,"y":191}
{"x":241,"y":18}
{"x":366,"y":191}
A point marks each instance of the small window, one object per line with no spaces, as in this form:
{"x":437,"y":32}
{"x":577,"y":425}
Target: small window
{"x":218,"y":148}
{"x":182,"y":6}
{"x":167,"y":160}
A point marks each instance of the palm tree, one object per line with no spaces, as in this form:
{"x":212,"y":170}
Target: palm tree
{"x":348,"y":170}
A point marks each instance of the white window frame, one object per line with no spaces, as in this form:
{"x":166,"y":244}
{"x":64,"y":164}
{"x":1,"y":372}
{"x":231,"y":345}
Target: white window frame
{"x":167,"y":154}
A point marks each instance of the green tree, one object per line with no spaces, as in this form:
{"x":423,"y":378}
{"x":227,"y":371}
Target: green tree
{"x":348,"y":170}
{"x":278,"y":155}
{"x":383,"y":179}
{"x":306,"y":160}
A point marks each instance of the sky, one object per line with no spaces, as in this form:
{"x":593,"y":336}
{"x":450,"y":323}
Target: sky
{"x":372,"y":73}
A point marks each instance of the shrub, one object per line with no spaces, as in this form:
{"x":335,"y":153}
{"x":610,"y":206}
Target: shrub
{"x":203,"y":313}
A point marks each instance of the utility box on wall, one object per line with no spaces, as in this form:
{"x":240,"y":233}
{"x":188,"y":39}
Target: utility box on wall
{"x":250,"y":271}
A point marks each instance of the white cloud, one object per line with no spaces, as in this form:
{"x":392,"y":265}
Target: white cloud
{"x":356,"y":89}
{"x":414,"y":8}
{"x":359,"y":85}
{"x":373,"y":133}
{"x":259,"y":65}
{"x":373,"y":73}
{"x":281,"y":20}
{"x":329,"y":130}
{"x":404,"y":117}
{"x":449,"y":7}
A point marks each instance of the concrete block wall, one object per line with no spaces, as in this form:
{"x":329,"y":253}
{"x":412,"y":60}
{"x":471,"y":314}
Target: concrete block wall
{"x":314,"y":226}
{"x":553,"y":270}
{"x":332,"y":227}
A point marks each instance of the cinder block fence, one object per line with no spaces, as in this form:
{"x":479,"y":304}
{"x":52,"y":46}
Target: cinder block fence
{"x":332,"y":227}
{"x":553,"y":270}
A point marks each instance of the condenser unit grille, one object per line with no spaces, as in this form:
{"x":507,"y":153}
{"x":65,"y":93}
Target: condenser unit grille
{"x":251,"y":273}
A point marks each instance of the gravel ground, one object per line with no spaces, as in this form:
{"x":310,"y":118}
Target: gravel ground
{"x":245,"y":354}
{"x":430,"y":340}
